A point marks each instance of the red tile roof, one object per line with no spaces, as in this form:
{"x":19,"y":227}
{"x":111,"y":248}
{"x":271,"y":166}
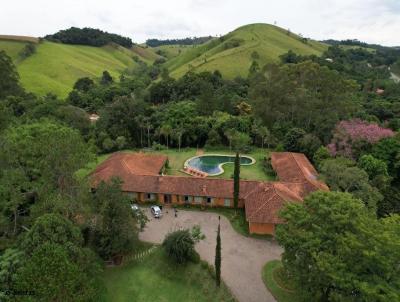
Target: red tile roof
{"x":296,"y":168}
{"x":263,"y":200}
{"x":132,"y":164}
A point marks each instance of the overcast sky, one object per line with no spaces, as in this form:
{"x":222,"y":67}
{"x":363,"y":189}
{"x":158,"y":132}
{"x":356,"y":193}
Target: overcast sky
{"x":374,"y":21}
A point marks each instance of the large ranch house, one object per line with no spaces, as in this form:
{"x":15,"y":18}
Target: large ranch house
{"x":143,"y":179}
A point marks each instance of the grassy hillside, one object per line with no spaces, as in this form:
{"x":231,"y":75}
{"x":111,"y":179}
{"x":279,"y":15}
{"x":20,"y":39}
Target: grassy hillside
{"x":12,"y":48}
{"x":55,"y":67}
{"x":145,"y":53}
{"x":172,"y":51}
{"x":231,"y":54}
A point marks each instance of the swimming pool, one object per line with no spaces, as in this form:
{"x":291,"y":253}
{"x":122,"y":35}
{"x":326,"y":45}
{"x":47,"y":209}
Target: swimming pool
{"x":212,"y":163}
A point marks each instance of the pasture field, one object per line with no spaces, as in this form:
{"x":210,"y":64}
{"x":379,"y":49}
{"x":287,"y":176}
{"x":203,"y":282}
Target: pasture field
{"x":55,"y":67}
{"x":232,"y":53}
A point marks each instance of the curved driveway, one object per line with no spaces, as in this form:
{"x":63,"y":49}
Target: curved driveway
{"x":242,"y":257}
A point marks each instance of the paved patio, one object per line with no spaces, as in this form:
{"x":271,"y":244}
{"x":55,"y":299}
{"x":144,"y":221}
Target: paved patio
{"x":242,"y":257}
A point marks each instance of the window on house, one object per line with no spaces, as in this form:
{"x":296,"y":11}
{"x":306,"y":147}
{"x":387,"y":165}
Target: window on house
{"x":198,"y":199}
{"x":150,"y":196}
{"x":133,"y":195}
{"x":227,"y":202}
{"x":188,"y":199}
{"x":210,"y":200}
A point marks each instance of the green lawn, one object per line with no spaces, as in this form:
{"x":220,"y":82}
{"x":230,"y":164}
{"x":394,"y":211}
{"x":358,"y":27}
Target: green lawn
{"x":251,"y":172}
{"x":280,"y":288}
{"x":156,"y":278}
{"x":84,"y":172}
{"x":177,"y":159}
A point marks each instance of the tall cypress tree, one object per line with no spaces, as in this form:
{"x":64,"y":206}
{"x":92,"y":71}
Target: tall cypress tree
{"x":236,"y":181}
{"x":218,"y":255}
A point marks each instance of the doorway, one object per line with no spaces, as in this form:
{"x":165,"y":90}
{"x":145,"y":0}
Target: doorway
{"x":167,"y":198}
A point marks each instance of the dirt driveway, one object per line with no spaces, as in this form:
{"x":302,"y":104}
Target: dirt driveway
{"x":242,"y":257}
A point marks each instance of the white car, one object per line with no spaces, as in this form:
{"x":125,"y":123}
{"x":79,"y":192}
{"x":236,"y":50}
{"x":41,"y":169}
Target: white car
{"x":156,"y":211}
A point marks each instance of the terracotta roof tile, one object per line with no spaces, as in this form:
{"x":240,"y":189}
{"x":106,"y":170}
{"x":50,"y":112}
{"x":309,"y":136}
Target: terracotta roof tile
{"x":263,"y":200}
{"x":296,"y":168}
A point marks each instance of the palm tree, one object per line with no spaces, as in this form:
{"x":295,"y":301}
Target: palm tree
{"x":179,"y":131}
{"x":265,"y":135}
{"x":230,"y":133}
{"x":140,"y":120}
{"x":166,"y":131}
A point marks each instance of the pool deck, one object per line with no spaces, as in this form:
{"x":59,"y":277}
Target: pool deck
{"x":222,"y":171}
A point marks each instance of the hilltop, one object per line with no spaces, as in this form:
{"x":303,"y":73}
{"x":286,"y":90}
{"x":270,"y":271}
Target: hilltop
{"x":231,"y":54}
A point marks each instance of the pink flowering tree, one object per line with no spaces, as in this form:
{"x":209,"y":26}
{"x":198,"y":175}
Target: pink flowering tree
{"x":353,"y":135}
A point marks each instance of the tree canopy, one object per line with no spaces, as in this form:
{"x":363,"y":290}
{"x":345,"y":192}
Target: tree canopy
{"x":336,"y":251}
{"x":88,"y":36}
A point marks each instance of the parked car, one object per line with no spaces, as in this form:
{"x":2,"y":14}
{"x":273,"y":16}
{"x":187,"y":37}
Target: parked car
{"x":156,"y":211}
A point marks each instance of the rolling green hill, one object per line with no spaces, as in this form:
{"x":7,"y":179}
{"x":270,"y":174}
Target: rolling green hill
{"x":55,"y":67}
{"x":145,"y":53}
{"x":172,"y":51}
{"x":231,"y":54}
{"x":12,"y":48}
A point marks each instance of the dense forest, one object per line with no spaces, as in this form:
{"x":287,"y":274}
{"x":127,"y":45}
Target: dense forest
{"x":88,"y":36}
{"x":184,"y":41}
{"x":341,"y":109}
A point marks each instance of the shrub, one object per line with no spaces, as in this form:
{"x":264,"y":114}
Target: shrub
{"x":267,"y":166}
{"x":27,"y":51}
{"x":179,"y":245}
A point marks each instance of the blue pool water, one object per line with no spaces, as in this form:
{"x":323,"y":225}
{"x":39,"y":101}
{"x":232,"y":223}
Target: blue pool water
{"x":211,"y":164}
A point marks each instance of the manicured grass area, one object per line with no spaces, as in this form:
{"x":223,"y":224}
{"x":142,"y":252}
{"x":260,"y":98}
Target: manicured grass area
{"x":274,"y":279}
{"x":220,"y":54}
{"x":156,"y":278}
{"x":177,"y":159}
{"x":84,"y":172}
{"x":251,"y":172}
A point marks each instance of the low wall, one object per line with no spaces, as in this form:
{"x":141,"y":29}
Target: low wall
{"x":261,"y":228}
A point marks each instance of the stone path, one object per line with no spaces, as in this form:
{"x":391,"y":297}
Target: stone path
{"x":139,"y":256}
{"x":242,"y":257}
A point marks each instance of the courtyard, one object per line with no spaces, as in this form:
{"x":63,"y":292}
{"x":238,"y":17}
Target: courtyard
{"x":242,"y":257}
{"x":176,"y":160}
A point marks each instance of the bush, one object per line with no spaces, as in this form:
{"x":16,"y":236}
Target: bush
{"x":232,"y":43}
{"x":179,"y":245}
{"x":158,"y":147}
{"x":27,"y":51}
{"x":267,"y":166}
{"x":195,"y":257}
